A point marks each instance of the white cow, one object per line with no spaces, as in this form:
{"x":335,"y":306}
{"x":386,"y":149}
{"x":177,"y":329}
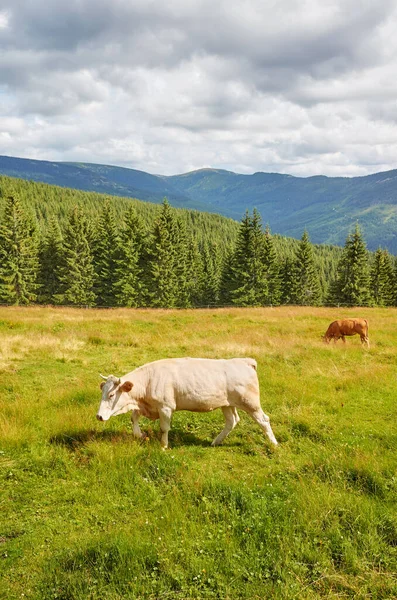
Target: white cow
{"x":157,"y":389}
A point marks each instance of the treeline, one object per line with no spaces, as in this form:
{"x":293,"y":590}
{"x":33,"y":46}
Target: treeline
{"x":57,"y":247}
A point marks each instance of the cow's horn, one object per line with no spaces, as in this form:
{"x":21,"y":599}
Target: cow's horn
{"x":103,"y":376}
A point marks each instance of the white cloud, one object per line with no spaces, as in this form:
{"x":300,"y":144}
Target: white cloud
{"x":4,"y":19}
{"x":295,"y":86}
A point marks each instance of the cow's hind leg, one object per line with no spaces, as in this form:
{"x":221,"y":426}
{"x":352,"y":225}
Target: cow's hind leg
{"x":165,"y":415}
{"x":264,"y":422}
{"x":364,"y":340}
{"x":231,"y":420}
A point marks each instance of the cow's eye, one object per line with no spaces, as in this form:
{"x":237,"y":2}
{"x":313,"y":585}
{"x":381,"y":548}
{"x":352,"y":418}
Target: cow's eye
{"x":111,"y":395}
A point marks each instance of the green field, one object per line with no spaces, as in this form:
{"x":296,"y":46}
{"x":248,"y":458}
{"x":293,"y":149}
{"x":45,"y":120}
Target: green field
{"x":87,"y":512}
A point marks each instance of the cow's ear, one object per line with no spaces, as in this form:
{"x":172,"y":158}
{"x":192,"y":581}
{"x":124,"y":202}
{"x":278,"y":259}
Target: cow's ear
{"x":101,"y":384}
{"x":127,"y":386}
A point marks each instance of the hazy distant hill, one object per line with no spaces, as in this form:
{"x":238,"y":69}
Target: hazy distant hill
{"x":327,"y":207}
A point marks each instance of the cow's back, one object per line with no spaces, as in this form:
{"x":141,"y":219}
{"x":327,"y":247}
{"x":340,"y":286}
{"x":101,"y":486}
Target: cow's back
{"x":353,"y":326}
{"x":202,"y":384}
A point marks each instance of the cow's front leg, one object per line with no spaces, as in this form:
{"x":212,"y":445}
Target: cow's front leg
{"x":136,"y":430}
{"x":165,"y":415}
{"x":231,"y":420}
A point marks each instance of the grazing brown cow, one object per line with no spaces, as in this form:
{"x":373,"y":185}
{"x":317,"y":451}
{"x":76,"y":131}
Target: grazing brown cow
{"x":346,"y":327}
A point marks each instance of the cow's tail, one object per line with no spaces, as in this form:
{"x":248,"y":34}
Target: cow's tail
{"x":252,"y":362}
{"x":366,"y":321}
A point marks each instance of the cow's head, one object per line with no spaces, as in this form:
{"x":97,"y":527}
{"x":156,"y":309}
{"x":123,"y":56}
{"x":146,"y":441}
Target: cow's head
{"x":115,"y":398}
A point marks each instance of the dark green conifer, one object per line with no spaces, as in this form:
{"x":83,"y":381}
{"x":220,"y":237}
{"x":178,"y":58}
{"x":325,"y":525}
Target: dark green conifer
{"x":183,"y":266}
{"x":307,"y":280}
{"x":129,"y":280}
{"x":288,"y":277}
{"x":106,"y":256}
{"x":226,"y":281}
{"x":50,"y":257}
{"x":77,"y":273}
{"x":272,"y":271}
{"x":382,"y":278}
{"x":195,"y":271}
{"x":162,"y":267}
{"x":249,"y":285}
{"x":212,"y":274}
{"x":352,"y":282}
{"x":18,"y":255}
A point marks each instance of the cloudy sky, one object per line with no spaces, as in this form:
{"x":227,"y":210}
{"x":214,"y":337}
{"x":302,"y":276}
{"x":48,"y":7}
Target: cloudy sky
{"x":292,"y":86}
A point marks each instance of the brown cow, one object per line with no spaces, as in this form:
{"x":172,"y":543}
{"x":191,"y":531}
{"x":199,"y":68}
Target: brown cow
{"x":346,"y":327}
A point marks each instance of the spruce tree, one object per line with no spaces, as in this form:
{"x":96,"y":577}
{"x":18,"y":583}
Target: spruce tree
{"x":195,"y":271}
{"x":18,"y":255}
{"x":129,"y":280}
{"x":50,"y":258}
{"x":163,"y":259}
{"x":352,"y":282}
{"x":183,"y":266}
{"x":77,"y":275}
{"x":106,"y":256}
{"x":382,"y":278}
{"x":226,"y":281}
{"x":307,"y":280}
{"x":212,"y":274}
{"x":288,"y":277}
{"x":272,"y":270}
{"x":249,"y":285}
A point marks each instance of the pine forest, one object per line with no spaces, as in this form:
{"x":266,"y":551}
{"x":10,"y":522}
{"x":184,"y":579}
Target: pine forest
{"x":68,"y":247}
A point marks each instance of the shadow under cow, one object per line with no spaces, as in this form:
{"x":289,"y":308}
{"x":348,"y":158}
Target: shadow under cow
{"x":75,"y":440}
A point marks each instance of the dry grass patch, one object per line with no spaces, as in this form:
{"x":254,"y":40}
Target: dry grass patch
{"x":15,"y":347}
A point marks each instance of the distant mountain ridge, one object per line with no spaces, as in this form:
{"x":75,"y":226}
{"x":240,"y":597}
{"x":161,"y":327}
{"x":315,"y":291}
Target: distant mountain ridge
{"x":328,"y":207}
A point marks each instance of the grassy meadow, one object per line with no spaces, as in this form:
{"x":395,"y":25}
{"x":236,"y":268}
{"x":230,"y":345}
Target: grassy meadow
{"x":88,"y":512}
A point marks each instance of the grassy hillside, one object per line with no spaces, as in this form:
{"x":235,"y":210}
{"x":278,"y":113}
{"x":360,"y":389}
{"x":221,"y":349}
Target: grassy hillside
{"x":328,"y":207}
{"x":87,"y":512}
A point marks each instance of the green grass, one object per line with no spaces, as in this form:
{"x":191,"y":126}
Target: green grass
{"x":87,"y":512}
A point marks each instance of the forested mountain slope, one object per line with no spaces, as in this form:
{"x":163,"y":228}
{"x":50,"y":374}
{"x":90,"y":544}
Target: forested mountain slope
{"x":116,"y":181}
{"x":328,"y":207}
{"x":50,"y":200}
{"x":46,"y":201}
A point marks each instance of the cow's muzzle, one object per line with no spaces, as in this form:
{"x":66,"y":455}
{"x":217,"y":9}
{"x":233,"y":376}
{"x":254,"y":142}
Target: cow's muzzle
{"x":99,"y":418}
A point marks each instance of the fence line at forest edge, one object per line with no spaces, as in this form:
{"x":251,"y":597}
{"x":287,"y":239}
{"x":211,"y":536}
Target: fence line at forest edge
{"x":201,"y":306}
